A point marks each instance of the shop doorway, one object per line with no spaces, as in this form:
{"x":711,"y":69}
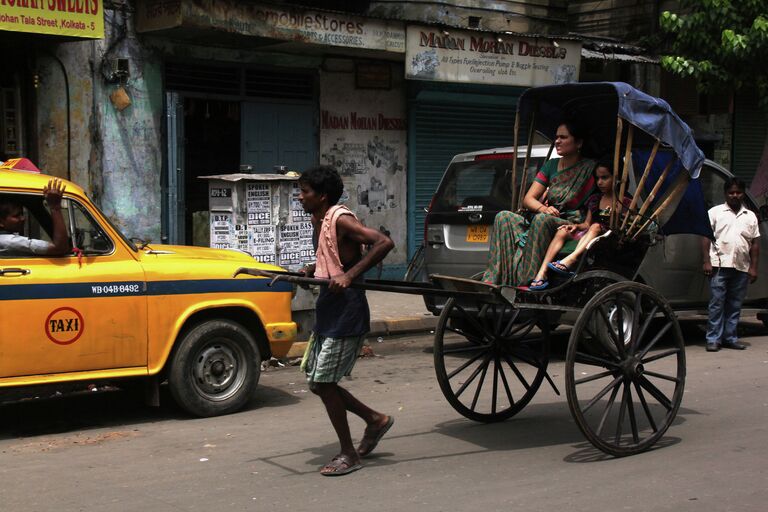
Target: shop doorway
{"x":211,"y":146}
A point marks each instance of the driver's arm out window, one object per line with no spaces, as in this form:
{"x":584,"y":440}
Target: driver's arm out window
{"x":26,"y":226}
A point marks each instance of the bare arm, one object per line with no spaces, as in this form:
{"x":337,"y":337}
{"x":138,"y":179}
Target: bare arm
{"x":349,"y":228}
{"x":531,"y":200}
{"x":754,"y":255}
{"x":53,"y":192}
{"x":706,"y":266}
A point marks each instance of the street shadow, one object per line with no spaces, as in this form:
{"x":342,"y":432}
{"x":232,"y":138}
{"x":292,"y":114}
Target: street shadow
{"x":540,"y":425}
{"x":107,"y":407}
{"x":587,"y":453}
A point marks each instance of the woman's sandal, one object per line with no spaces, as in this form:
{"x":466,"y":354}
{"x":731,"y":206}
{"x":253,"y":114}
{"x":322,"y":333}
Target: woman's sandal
{"x":542,"y":285}
{"x":559,"y":268}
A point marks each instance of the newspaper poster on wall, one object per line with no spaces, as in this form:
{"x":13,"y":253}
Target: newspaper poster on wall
{"x":297,"y":210}
{"x":241,"y":237}
{"x":222,"y":230}
{"x":258,"y":197}
{"x":262,"y":243}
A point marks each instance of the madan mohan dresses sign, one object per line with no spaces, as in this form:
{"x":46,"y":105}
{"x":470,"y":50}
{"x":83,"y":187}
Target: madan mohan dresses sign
{"x":73,"y":18}
{"x":486,"y":58}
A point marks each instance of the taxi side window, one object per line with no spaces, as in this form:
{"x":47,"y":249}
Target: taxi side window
{"x":88,"y":235}
{"x":31,"y":221}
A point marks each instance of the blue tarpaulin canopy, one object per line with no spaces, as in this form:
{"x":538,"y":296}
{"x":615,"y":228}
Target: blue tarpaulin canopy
{"x":595,"y":106}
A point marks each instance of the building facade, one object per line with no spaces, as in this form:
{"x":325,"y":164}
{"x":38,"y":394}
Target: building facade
{"x":387,"y":92}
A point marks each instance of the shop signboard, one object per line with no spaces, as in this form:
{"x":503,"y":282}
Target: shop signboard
{"x":489,"y":58}
{"x":71,"y":18}
{"x":273,"y":21}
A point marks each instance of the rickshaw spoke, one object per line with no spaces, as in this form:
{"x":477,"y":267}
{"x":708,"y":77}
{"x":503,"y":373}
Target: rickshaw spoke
{"x":512,"y":328}
{"x":506,"y":384}
{"x":464,"y":349}
{"x":583,"y":358}
{"x":620,"y":422}
{"x":480,"y":328}
{"x":647,"y":409}
{"x":661,"y":355}
{"x":472,"y":377}
{"x":526,"y":356}
{"x":470,"y":337}
{"x":480,"y":383}
{"x":601,"y":394}
{"x":499,"y":317}
{"x":495,"y":383}
{"x":517,"y":372}
{"x":631,"y":412}
{"x":596,"y":376}
{"x":463,"y":366}
{"x":525,"y":327}
{"x":662,"y":376}
{"x":655,"y":393}
{"x":644,"y":328}
{"x":607,"y":410}
{"x":655,"y":339}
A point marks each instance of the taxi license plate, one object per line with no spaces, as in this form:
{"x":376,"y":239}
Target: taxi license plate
{"x":477,"y":233}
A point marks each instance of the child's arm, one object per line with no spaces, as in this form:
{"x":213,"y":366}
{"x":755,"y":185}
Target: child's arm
{"x":581,"y":226}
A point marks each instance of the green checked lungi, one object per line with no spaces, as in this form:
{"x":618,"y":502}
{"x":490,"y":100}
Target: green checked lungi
{"x":329,"y":359}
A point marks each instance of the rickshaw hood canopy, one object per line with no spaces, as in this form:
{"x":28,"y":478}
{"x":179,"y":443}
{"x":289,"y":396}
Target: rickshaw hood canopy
{"x":596,"y":105}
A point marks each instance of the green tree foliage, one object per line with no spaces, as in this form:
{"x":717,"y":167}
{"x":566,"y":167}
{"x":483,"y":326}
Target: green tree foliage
{"x":721,"y":43}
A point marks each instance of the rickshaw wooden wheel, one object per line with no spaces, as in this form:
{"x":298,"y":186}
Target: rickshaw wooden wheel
{"x":490,"y":359}
{"x":625,"y":368}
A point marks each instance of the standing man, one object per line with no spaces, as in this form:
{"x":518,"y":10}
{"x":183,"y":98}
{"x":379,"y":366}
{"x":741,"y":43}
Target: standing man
{"x":730,"y":261}
{"x":342,"y":315}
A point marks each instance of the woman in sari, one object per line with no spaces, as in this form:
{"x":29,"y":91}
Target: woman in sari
{"x":556,"y":197}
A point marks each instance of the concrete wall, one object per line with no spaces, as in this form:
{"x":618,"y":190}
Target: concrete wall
{"x":534,"y":16}
{"x":116,"y":156}
{"x":363,"y":134}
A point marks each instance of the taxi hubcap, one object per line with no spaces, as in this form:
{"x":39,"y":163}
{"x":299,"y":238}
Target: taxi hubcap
{"x":219,"y":370}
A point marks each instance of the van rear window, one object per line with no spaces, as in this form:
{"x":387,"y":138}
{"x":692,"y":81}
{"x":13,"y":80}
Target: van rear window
{"x":481,"y":185}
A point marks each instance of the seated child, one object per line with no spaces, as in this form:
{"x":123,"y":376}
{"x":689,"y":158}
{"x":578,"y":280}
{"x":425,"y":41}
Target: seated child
{"x":595,"y":223}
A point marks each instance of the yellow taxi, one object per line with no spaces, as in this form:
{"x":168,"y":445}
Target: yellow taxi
{"x":111,"y":308}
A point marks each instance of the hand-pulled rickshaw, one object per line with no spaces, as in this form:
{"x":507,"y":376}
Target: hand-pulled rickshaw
{"x":625,"y":360}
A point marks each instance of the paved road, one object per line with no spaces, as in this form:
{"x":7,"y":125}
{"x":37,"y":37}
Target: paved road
{"x":106,"y":452}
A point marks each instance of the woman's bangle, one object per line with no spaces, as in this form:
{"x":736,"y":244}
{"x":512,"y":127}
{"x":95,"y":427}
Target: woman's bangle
{"x":539,"y":208}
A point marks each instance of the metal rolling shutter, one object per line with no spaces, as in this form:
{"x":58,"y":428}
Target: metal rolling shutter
{"x":750,"y":128}
{"x":438,"y":133}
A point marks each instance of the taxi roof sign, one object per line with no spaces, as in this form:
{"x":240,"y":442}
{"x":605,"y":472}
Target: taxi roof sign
{"x":19,"y":164}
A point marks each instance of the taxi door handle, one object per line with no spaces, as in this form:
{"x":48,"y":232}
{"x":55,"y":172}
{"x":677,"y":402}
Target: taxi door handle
{"x":20,"y":271}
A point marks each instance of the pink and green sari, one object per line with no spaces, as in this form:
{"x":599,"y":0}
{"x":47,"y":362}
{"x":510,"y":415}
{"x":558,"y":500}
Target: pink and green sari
{"x":518,"y":242}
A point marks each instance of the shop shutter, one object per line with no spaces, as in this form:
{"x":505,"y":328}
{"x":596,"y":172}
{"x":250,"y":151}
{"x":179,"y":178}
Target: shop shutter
{"x":441,"y":130}
{"x":750,"y":127}
{"x":235,"y":80}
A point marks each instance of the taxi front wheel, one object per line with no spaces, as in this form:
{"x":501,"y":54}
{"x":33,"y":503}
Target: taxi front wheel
{"x":215,"y":368}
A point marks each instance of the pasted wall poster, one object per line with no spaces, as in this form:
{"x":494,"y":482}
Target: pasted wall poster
{"x":363,"y":134}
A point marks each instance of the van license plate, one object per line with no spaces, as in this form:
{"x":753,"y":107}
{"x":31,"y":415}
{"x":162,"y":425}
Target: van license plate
{"x":477,"y":233}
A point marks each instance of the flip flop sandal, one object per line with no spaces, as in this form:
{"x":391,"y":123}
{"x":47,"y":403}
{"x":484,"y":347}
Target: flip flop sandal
{"x":558,"y":268}
{"x":543,"y":283}
{"x":340,"y":465}
{"x":369,"y":442}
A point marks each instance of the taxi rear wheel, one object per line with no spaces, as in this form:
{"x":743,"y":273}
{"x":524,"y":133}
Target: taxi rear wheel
{"x":215,"y":368}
